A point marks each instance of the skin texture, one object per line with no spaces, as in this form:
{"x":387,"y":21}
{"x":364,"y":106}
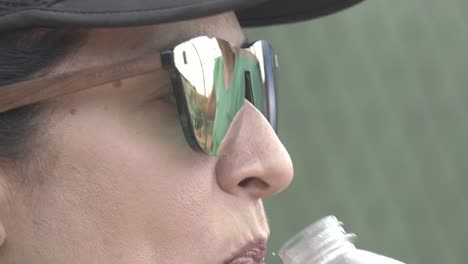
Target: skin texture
{"x":114,"y":180}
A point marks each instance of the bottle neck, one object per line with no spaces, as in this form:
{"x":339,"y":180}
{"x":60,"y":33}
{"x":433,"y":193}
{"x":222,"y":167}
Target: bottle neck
{"x":319,"y":243}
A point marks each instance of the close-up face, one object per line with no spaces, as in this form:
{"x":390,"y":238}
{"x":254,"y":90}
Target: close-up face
{"x":112,"y":179}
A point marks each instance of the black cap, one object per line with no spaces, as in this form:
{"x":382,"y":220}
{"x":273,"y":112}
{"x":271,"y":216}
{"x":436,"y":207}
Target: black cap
{"x":16,"y":14}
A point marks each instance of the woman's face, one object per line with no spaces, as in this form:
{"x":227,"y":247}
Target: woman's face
{"x":117,"y":181}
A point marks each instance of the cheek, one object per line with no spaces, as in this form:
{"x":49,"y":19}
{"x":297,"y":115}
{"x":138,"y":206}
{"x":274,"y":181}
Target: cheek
{"x":127,"y":176}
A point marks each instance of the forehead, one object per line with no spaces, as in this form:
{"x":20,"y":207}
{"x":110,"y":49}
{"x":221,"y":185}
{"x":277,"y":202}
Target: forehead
{"x":108,"y":46}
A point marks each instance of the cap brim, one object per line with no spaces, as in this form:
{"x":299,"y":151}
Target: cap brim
{"x":287,"y":11}
{"x":116,"y":13}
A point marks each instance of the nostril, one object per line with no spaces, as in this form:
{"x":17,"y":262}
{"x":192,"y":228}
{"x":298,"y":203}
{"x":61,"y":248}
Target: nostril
{"x":253,"y":182}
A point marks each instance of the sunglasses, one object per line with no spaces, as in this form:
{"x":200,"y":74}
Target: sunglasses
{"x":212,"y":79}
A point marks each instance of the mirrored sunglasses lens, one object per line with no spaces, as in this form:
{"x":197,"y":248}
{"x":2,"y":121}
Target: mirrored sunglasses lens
{"x":217,"y":78}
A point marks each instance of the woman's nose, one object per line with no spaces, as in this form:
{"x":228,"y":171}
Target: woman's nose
{"x":251,"y":159}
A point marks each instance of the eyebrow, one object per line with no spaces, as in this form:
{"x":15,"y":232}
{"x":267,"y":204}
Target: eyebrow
{"x":183,"y":36}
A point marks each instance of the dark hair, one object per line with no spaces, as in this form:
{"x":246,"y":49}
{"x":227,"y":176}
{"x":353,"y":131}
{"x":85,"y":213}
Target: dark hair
{"x":22,"y":55}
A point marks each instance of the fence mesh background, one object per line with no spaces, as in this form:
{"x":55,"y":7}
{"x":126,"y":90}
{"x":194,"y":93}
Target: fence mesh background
{"x":374,"y":114}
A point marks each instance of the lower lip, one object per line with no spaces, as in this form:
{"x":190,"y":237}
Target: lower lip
{"x":243,"y":261}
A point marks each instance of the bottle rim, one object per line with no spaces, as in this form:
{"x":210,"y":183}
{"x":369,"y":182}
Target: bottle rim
{"x":320,"y":242}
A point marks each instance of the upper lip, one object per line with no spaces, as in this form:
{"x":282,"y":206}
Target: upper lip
{"x":255,"y":250}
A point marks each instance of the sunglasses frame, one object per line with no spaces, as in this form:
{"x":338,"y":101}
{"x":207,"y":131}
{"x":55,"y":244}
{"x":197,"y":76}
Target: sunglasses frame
{"x":269,"y":61}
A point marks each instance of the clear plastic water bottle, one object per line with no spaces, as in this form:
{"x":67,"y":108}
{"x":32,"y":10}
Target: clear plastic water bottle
{"x":326,"y":242}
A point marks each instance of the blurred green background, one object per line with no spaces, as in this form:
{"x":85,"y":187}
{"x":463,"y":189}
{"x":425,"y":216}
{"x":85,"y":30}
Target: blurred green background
{"x":373,"y":112}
